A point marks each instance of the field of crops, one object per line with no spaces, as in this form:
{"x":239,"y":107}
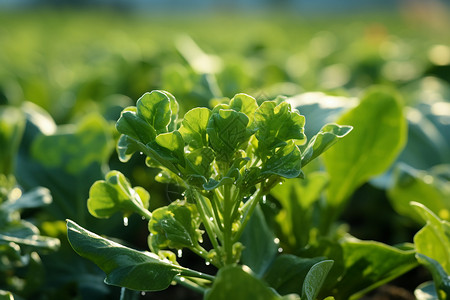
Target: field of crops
{"x":317,"y":168}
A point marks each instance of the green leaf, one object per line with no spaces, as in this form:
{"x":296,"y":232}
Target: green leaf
{"x":259,"y":245}
{"x":125,"y":267}
{"x":245,"y":104}
{"x":287,"y":273}
{"x":369,"y":264}
{"x":126,"y":147}
{"x":297,"y":198}
{"x":12,"y":125}
{"x":193,"y":127}
{"x":75,"y":148}
{"x":133,"y":126}
{"x":275,"y":124}
{"x":315,"y":279}
{"x":327,"y":137}
{"x":199,"y":161}
{"x":441,"y":278}
{"x":36,"y":197}
{"x":159,"y":109}
{"x":422,"y":187}
{"x":174,"y":226}
{"x":26,"y":235}
{"x":170,"y":147}
{"x":115,"y":194}
{"x":227,"y":131}
{"x":286,"y":162}
{"x":433,"y":240}
{"x":378,"y":135}
{"x":238,"y":283}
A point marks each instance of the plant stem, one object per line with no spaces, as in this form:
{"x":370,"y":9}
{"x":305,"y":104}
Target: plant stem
{"x":227,"y":224}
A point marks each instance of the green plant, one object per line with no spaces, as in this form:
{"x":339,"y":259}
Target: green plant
{"x":227,"y":160}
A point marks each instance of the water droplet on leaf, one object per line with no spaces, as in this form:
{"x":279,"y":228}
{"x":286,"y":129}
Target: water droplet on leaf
{"x":125,"y":221}
{"x":276,"y":240}
{"x":180,"y":253}
{"x":207,"y":263}
{"x":280,"y":249}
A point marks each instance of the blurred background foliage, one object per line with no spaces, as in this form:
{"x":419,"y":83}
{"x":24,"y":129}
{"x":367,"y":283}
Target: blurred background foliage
{"x":71,"y":67}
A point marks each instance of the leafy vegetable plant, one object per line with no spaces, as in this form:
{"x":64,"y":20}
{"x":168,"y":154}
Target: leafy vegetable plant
{"x":227,"y":159}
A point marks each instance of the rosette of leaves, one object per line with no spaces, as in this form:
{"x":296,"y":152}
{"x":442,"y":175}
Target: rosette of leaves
{"x":226,"y":158}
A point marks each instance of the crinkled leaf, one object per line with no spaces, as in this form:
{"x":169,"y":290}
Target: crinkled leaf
{"x":327,"y":137}
{"x":419,"y":186}
{"x":275,"y":124}
{"x":245,"y":104}
{"x":232,"y":175}
{"x":174,"y":226}
{"x":133,"y":126}
{"x":286,"y":162}
{"x":440,"y":277}
{"x":12,"y":125}
{"x":125,"y":267}
{"x":433,"y":240}
{"x":193,"y":127}
{"x":287,"y":273}
{"x":378,"y":135}
{"x":227,"y":130}
{"x":237,"y":283}
{"x":315,"y":278}
{"x":369,"y":264}
{"x":115,"y":194}
{"x":159,"y":109}
{"x":199,"y":161}
{"x":75,"y":148}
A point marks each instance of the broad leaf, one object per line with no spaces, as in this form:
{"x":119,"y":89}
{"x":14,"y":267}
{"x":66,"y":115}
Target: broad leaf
{"x":275,"y":124}
{"x":35,"y":198}
{"x":174,"y":226}
{"x":115,"y":194}
{"x":199,"y":161}
{"x":238,"y":283}
{"x":370,"y":264}
{"x":422,"y":187}
{"x":75,"y":148}
{"x":193,"y":127}
{"x":441,"y":278}
{"x":227,"y":130}
{"x":327,"y":137}
{"x":170,"y":147}
{"x":315,"y":279}
{"x":125,"y":267}
{"x":259,"y":243}
{"x":287,"y":273}
{"x":426,"y":291}
{"x":159,"y":109}
{"x":132,"y":125}
{"x":378,"y":136}
{"x":433,"y":240}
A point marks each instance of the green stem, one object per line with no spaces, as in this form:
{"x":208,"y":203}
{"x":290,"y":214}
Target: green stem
{"x":189,"y":284}
{"x":197,"y":274}
{"x":198,"y":198}
{"x":227,"y":224}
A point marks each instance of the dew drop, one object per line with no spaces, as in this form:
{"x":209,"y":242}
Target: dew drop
{"x":142,"y":293}
{"x":143,"y":218}
{"x":141,"y":153}
{"x":207,"y":263}
{"x":180,"y":253}
{"x":264,"y":200}
{"x":125,"y":221}
{"x":276,"y":240}
{"x":182,"y":279}
{"x":211,"y":219}
{"x":280,"y":249}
